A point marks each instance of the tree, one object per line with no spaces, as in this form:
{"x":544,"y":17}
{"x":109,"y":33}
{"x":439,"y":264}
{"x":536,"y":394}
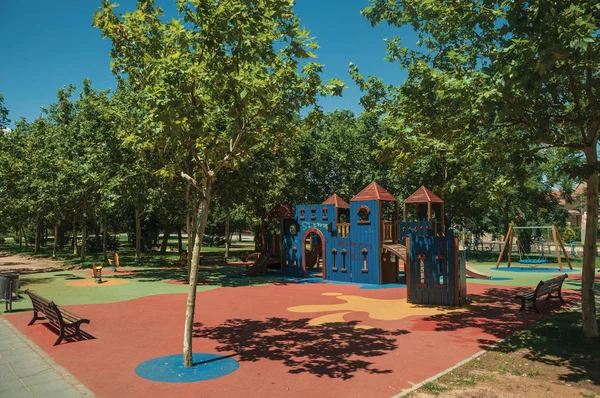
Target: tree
{"x":217,"y":81}
{"x":335,"y":155}
{"x":519,"y":77}
{"x":15,"y":198}
{"x":4,"y":120}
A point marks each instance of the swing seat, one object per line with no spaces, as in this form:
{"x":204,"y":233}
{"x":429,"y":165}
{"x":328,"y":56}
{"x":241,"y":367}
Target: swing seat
{"x":533,"y":261}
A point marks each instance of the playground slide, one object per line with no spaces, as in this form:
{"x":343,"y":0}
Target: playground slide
{"x":261,"y":264}
{"x":313,"y":257}
{"x":473,"y":273}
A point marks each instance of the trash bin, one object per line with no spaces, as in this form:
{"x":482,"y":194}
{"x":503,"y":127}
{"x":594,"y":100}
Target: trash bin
{"x":9,"y":285}
{"x":14,"y":279}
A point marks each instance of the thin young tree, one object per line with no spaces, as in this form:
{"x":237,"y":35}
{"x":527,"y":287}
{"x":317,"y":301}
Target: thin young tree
{"x":217,"y":80}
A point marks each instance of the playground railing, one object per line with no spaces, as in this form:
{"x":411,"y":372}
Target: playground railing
{"x":388,"y":230}
{"x":421,"y":228}
{"x":343,"y":229}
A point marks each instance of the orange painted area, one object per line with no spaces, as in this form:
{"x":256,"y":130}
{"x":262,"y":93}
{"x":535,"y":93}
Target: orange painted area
{"x":108,"y":271}
{"x":92,"y":282}
{"x":369,"y":352}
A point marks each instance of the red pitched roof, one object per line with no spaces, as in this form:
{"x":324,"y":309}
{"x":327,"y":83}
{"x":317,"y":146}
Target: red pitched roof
{"x":374,"y":191}
{"x":337,"y":201}
{"x":423,"y":195}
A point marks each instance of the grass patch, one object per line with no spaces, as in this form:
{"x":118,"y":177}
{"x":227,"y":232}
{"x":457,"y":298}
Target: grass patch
{"x":434,"y":388}
{"x":555,"y":342}
{"x":558,"y":339}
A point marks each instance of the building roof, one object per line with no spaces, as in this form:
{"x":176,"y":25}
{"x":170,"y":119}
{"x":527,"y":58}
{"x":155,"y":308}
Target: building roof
{"x":423,"y":195}
{"x":337,"y":201}
{"x":374,"y":191}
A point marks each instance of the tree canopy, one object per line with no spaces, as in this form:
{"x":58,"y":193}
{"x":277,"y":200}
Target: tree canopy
{"x":498,"y":77}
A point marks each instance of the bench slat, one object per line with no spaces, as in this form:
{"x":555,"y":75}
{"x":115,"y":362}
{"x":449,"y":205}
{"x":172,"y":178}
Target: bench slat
{"x":543,"y":288}
{"x":59,"y":318}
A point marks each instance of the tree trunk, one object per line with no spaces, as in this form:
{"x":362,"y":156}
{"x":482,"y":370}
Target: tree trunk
{"x":227,"y":237}
{"x":61,"y":237}
{"x":165,"y":240}
{"x":74,"y":237}
{"x":588,"y":300}
{"x":240,"y":234}
{"x":24,"y":238}
{"x":188,"y":227}
{"x":55,"y":248}
{"x":103,"y":228}
{"x":83,"y":237}
{"x":138,"y":235}
{"x":179,"y":241}
{"x":20,"y":239}
{"x":193,"y":276}
{"x":38,"y":226}
{"x":505,"y":220}
{"x":257,"y":238}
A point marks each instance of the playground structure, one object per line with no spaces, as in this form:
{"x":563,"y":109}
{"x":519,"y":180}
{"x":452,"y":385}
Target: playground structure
{"x":354,"y":243}
{"x":541,"y":259}
{"x":270,"y":244}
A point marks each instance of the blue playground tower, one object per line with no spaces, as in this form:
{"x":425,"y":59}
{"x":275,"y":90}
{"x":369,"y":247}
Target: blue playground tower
{"x":353,"y":242}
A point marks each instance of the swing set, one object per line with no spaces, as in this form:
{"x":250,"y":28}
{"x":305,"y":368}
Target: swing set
{"x":524,"y":257}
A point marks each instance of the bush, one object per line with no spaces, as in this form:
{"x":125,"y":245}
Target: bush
{"x":524,"y":236}
{"x":213,"y":240}
{"x":577,"y":231}
{"x":568,"y":235}
{"x":93,"y":244}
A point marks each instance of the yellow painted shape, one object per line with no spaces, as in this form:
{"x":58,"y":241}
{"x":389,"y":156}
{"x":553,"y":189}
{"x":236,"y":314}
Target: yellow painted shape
{"x":332,"y":294}
{"x":378,"y":309}
{"x":91,"y":282}
{"x":331,"y":318}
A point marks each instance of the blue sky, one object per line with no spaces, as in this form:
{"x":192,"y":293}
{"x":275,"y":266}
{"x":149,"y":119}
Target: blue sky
{"x":49,"y":44}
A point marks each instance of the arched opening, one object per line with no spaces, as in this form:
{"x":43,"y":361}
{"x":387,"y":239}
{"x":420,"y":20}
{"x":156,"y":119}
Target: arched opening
{"x":313,"y":255}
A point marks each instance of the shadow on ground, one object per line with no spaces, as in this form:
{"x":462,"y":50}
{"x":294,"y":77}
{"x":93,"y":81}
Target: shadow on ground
{"x":336,"y":351}
{"x":558,"y":340}
{"x":71,"y":339}
{"x":24,"y":282}
{"x":223,"y":276}
{"x":496,"y":312}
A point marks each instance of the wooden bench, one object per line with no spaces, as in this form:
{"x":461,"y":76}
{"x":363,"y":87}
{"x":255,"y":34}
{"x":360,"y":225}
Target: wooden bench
{"x":59,"y":318}
{"x":543,"y":288}
{"x":212,"y":257}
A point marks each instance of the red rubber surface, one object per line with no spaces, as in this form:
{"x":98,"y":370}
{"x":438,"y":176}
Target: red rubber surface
{"x":279,"y":355}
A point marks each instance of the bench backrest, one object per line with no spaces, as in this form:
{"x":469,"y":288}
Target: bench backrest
{"x":40,"y":304}
{"x":549,"y":286}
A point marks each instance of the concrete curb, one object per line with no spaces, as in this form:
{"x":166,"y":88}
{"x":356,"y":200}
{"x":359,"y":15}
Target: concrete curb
{"x":442,"y":373}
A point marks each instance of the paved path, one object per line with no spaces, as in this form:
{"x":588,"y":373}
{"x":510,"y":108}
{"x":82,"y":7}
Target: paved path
{"x":27,"y":371}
